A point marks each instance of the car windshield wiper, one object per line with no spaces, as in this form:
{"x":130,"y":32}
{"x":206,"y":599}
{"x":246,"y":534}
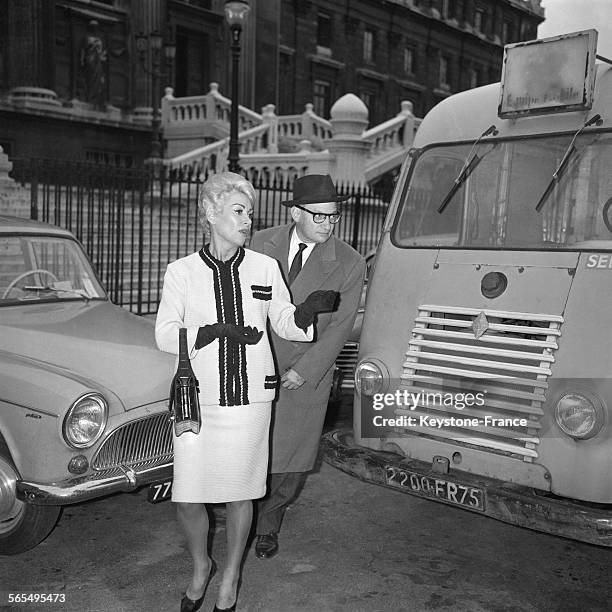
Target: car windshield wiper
{"x":563,"y":165}
{"x":74,"y":292}
{"x":470,"y":164}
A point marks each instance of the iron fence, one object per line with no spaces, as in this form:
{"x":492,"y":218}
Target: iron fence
{"x":134,"y":221}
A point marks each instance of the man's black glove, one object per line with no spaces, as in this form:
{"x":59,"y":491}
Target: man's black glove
{"x":243,"y":335}
{"x":316,"y":302}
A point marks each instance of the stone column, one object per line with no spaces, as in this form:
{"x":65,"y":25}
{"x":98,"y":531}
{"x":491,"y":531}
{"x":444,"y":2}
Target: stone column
{"x":29,"y":25}
{"x":269,"y":116}
{"x":147,"y":15}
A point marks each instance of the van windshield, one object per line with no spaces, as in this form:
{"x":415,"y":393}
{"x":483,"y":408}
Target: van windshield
{"x":495,"y":207}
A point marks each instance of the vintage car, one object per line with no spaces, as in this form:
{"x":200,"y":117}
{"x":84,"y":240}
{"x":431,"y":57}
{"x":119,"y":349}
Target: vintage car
{"x":83,"y":388}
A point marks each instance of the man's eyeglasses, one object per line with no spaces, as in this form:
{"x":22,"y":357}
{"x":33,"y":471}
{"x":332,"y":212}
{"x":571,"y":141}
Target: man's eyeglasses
{"x":320,"y":217}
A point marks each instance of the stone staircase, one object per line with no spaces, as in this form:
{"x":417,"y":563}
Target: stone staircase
{"x":196,"y":132}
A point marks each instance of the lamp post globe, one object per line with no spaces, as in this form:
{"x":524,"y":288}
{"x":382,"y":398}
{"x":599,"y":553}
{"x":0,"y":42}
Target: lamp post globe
{"x":235,"y":14}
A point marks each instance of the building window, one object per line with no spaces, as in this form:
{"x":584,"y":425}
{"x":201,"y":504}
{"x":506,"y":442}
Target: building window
{"x":368,"y":45}
{"x":479,"y":20}
{"x":449,"y":9}
{"x":525,"y":31}
{"x":286,"y":84}
{"x":474,"y":80}
{"x":192,"y":72}
{"x":409,"y":60}
{"x":506,"y":32}
{"x":321,"y":97}
{"x":324,"y":30}
{"x":444,"y":65}
{"x":368,"y":98}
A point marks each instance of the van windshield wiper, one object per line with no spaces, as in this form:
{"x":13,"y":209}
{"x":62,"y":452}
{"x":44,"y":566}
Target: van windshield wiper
{"x":470,"y":164}
{"x":563,"y":165}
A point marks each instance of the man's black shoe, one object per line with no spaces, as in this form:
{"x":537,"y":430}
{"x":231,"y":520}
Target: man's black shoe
{"x":267,"y":545}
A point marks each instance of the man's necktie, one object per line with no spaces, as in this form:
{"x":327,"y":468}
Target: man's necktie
{"x":296,"y":264}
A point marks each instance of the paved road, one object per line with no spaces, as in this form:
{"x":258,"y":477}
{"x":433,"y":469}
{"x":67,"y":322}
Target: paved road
{"x":346,"y":546}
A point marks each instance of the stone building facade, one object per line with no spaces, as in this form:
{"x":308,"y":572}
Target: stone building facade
{"x":385,"y":52}
{"x":73,"y":83}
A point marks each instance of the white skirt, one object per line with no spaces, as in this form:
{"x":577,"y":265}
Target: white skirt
{"x":228,"y":459}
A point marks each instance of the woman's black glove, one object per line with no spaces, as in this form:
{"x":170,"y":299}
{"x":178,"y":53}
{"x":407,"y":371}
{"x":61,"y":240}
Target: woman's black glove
{"x":239,"y":333}
{"x":243,"y":335}
{"x":316,"y":302}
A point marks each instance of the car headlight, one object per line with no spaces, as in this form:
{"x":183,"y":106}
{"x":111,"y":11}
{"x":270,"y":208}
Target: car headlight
{"x":85,"y":421}
{"x":579,"y":415}
{"x":371,"y":377}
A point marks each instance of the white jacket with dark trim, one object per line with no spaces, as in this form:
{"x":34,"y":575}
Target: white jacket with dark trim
{"x":246,"y":290}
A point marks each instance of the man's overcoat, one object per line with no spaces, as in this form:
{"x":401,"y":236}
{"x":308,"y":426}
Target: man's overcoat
{"x":298,"y":415}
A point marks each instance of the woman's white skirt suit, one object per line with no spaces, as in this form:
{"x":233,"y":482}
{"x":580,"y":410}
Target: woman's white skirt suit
{"x":227,"y":460}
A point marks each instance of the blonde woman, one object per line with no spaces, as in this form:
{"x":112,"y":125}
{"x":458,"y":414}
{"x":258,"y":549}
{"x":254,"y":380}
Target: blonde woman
{"x":224,"y":295}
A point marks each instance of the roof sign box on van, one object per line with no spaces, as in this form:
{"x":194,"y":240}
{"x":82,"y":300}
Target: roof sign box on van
{"x":550,"y":75}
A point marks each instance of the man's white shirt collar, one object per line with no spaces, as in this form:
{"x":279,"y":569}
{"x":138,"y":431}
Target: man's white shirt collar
{"x":293,"y":248}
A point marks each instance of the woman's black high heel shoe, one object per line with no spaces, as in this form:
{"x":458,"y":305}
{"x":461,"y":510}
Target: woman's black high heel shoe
{"x":232,"y":609}
{"x":189,"y":605}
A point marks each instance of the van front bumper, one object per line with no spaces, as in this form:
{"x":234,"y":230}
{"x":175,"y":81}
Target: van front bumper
{"x":503,"y":501}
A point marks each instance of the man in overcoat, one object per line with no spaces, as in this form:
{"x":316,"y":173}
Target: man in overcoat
{"x":311,"y":258}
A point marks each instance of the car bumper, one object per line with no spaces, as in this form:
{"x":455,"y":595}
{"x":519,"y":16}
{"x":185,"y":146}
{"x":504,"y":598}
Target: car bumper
{"x":97,"y":484}
{"x":503,"y":501}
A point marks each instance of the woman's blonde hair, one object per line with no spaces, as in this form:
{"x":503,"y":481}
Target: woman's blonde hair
{"x":217,"y":186}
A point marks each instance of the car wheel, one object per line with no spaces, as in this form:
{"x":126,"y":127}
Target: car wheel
{"x":22,"y":526}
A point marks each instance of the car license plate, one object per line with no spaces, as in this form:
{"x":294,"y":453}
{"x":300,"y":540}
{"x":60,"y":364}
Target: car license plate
{"x":159,"y":491}
{"x":438,"y":488}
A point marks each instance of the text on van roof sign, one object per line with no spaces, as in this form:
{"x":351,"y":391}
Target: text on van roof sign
{"x":549,"y":75}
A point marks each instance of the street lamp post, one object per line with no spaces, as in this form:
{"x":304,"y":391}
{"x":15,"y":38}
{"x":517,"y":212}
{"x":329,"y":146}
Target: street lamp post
{"x":155,"y":42}
{"x":235,"y":13}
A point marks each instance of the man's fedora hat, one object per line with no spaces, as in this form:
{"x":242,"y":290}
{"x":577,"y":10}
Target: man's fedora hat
{"x":314,"y":189}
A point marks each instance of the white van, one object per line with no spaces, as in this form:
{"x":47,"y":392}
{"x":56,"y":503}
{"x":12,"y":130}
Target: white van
{"x":484,"y":376}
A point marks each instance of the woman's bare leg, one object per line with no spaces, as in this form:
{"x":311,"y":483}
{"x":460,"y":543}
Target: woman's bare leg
{"x":193,"y":518}
{"x":239,"y":517}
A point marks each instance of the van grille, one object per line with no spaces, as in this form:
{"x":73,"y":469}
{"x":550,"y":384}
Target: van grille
{"x":505,"y":355}
{"x":346,"y":362}
{"x":146,"y":442}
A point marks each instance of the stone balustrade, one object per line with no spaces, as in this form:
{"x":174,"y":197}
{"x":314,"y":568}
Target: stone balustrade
{"x":213,"y":156}
{"x":289,"y":145}
{"x":392,"y":134}
{"x":211,"y":106}
{"x":308,"y":125}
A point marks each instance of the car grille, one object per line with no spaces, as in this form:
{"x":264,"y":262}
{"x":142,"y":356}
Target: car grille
{"x":506,"y":354}
{"x":142,"y":443}
{"x":346,"y":362}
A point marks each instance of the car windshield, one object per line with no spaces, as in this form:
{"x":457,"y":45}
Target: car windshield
{"x":44,"y":268}
{"x":495,"y":206}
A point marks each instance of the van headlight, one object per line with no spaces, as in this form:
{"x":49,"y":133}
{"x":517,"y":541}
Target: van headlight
{"x":371,"y":377}
{"x":579,"y":414}
{"x":85,"y":421}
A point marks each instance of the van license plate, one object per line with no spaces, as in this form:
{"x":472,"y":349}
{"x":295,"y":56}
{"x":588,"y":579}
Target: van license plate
{"x":438,"y":488}
{"x":159,"y":491}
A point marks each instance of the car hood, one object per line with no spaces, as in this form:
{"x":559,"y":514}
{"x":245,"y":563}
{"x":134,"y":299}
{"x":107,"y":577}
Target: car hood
{"x":97,"y":343}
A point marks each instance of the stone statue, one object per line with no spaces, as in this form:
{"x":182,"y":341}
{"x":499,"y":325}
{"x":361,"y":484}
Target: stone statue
{"x":92,"y":63}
